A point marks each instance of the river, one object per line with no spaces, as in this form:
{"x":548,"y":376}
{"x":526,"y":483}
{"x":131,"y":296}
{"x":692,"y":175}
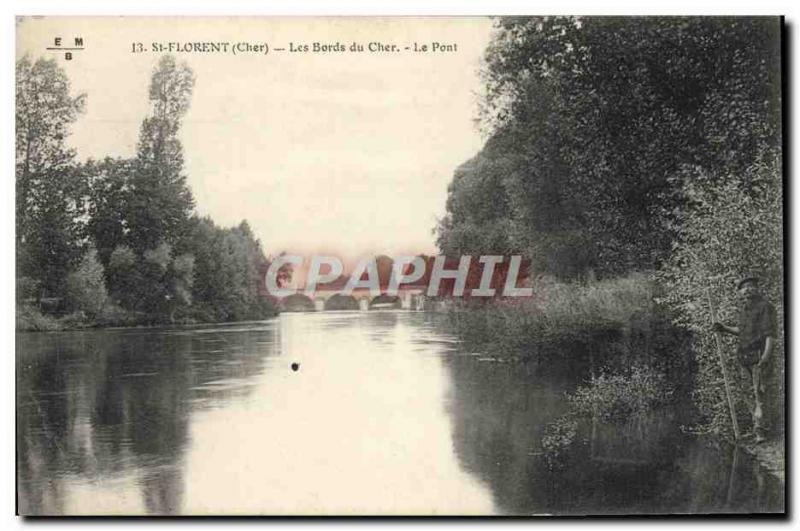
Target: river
{"x":335,"y":413}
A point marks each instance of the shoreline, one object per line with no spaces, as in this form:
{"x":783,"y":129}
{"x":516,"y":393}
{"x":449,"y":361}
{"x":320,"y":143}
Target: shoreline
{"x":95,"y":326}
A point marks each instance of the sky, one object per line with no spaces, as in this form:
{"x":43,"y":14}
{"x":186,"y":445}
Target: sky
{"x":344,"y":153}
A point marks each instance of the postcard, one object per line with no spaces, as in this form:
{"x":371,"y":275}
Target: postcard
{"x":399,"y":266}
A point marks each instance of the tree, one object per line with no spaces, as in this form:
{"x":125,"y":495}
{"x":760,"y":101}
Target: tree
{"x":86,"y":287}
{"x":123,"y":277}
{"x":168,"y":279}
{"x":160,"y":203}
{"x":108,"y":196}
{"x":228,"y":272}
{"x":477,"y":207}
{"x":49,"y":232}
{"x":590,"y":121}
{"x":144,"y":251}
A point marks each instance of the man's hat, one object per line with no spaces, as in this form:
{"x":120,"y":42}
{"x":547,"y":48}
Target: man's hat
{"x":747,"y":278}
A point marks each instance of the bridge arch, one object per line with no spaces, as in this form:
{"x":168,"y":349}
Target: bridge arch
{"x":384,"y":301}
{"x":298,"y":302}
{"x":339,"y":301}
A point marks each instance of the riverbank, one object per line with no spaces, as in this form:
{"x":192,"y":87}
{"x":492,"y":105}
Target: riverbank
{"x":556,"y":310}
{"x":29,"y":319}
{"x":624,"y":351}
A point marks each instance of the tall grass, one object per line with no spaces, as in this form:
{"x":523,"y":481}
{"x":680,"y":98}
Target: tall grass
{"x":556,"y":310}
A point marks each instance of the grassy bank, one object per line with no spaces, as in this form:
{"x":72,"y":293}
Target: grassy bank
{"x":30,"y":319}
{"x":556,"y":311}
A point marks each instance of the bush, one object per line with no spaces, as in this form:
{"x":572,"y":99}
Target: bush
{"x":617,"y":398}
{"x":86,"y":288}
{"x":558,"y":437}
{"x":183,"y":270}
{"x":114,"y":315}
{"x":622,"y":396}
{"x":30,"y":319}
{"x":28,"y":288}
{"x":733,"y":225}
{"x":73,"y":320}
{"x":123,"y":276}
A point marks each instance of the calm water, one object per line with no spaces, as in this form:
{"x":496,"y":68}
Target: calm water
{"x":386,"y":414}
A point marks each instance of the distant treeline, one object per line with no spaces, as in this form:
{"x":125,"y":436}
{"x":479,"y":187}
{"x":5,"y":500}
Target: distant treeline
{"x":116,"y":241}
{"x":617,"y":145}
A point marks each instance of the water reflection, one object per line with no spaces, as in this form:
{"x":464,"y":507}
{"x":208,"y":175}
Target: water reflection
{"x":501,"y":413}
{"x":387,"y":414}
{"x":360,"y":429}
{"x":103,"y":417}
{"x":209,"y":421}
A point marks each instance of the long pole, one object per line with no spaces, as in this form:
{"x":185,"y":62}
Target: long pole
{"x":725,"y":378}
{"x":732,"y":481}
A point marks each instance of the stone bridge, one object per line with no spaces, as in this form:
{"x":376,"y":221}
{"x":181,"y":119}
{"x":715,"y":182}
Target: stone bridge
{"x":407,"y":298}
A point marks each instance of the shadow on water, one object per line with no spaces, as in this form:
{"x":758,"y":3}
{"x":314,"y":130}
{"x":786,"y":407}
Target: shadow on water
{"x":110,"y":409}
{"x":501,"y":413}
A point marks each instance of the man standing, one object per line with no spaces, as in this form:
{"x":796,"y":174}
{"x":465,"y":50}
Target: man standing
{"x":757,"y":333}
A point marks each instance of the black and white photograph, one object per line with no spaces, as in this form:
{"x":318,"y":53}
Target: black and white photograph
{"x":400,"y":266}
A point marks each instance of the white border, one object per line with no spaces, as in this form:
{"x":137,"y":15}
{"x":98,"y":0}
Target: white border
{"x":319,"y":7}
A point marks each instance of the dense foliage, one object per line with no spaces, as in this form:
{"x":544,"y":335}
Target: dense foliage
{"x":622,"y":145}
{"x":732,"y":229}
{"x":48,"y":235}
{"x":590,"y":122}
{"x":115,"y":241}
